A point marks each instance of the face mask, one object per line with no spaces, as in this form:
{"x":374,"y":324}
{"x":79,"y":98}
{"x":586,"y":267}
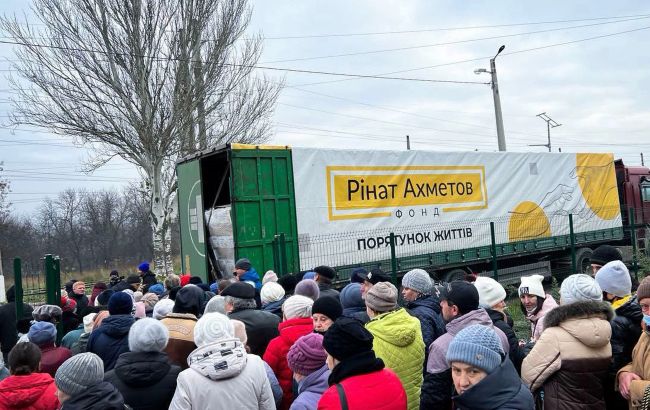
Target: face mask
{"x":646,"y":319}
{"x":531,"y":310}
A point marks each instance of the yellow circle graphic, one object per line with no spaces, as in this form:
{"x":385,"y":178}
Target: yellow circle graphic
{"x":597,"y":179}
{"x":528,"y":221}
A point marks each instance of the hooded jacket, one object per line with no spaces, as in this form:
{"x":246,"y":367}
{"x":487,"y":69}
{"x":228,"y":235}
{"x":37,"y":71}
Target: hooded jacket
{"x":223,"y":376}
{"x":536,"y":320}
{"x":310,"y":390}
{"x":102,"y":396}
{"x":181,"y":337}
{"x":146,"y":380}
{"x":427,"y":310}
{"x":251,"y":275}
{"x":437,"y":385}
{"x":640,"y":365}
{"x":111,"y":339}
{"x":52,"y":357}
{"x":398,"y":342}
{"x":500,"y":390}
{"x":571,"y":359}
{"x":30,"y":392}
{"x":275,"y":307}
{"x":277,"y":350}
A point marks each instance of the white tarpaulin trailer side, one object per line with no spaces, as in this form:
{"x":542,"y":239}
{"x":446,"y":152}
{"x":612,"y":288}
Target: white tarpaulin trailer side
{"x":441,"y":201}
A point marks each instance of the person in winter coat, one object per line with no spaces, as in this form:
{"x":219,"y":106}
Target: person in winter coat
{"x":73,"y":336}
{"x":27,"y":388}
{"x":245,"y":272}
{"x":98,"y":288}
{"x":43,"y":335}
{"x":459,"y":304}
{"x":353,"y":304}
{"x":148,"y":277}
{"x":306,"y":360}
{"x":535,"y":303}
{"x":416,"y":291}
{"x":143,"y":375}
{"x":272,"y":297}
{"x":110,"y":339}
{"x":221,"y":374}
{"x":80,"y":385}
{"x":602,"y":255}
{"x":397,"y":339}
{"x":492,"y":298}
{"x":324,"y":312}
{"x":297,"y":323}
{"x":633,"y":379}
{"x":9,"y":326}
{"x":324,"y":277}
{"x":570,"y":360}
{"x":261,"y":326}
{"x":358,"y":378}
{"x":78,"y":294}
{"x":484,"y":378}
{"x":181,"y":322}
{"x":616,"y":283}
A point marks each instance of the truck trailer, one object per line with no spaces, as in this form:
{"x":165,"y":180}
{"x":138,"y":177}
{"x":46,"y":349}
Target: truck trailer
{"x":292,"y":209}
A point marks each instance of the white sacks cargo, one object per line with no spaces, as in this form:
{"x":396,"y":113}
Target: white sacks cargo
{"x":221,"y":241}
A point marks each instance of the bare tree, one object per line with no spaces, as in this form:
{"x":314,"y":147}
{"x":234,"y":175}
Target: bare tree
{"x":146,"y":80}
{"x":4,"y":190}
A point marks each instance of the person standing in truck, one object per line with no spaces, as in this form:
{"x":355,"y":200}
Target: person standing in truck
{"x":535,"y":303}
{"x":245,"y":272}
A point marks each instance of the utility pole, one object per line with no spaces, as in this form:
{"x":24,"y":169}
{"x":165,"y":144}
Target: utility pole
{"x":501,"y":138}
{"x":642,"y":163}
{"x":198,"y":84}
{"x":408,"y":143}
{"x":550,"y":123}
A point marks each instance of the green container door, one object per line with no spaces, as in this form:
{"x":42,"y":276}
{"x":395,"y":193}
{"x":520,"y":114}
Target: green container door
{"x":263,"y":206}
{"x":190,"y":212}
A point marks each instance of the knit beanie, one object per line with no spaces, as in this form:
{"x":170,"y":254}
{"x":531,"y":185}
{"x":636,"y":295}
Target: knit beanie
{"x":143,"y":267}
{"x":308,"y":288}
{"x":149,"y":299}
{"x":103,"y":298}
{"x":243,"y":264}
{"x":269,"y":276}
{"x":211,"y":328}
{"x":158,"y":289}
{"x":288,"y":283}
{"x":163,"y":308}
{"x":216,"y":303}
{"x":307,"y":355}
{"x":477,"y":346}
{"x":604,"y":254}
{"x":88,"y":322}
{"x":490,"y":292}
{"x":240,"y":330}
{"x":328,"y":306}
{"x":148,"y":335}
{"x":137,"y":296}
{"x":297,"y":306}
{"x":351,"y":296}
{"x":185,"y":279}
{"x":579,"y":287}
{"x":358,"y":275}
{"x":78,"y":373}
{"x":325,"y":271}
{"x":309,"y":275}
{"x":643,"y":291}
{"x":614,"y":278}
{"x":382,"y":297}
{"x":42,"y":333}
{"x":347,"y":337}
{"x":120,"y":303}
{"x":532,"y":285}
{"x":418,"y":280}
{"x":271,"y":292}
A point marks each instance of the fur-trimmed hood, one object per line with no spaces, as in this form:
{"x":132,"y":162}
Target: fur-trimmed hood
{"x":587,"y":321}
{"x":578,"y":310}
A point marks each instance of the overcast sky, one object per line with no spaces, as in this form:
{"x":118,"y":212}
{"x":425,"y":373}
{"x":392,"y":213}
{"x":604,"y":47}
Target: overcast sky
{"x":596,"y":88}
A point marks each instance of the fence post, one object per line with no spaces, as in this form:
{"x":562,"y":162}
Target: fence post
{"x":393,"y":258}
{"x":53,"y":292}
{"x":50,"y":293}
{"x":493,"y":249}
{"x":276,"y":255}
{"x":283,"y":252}
{"x":572,"y":238}
{"x":635,"y":266}
{"x":18,"y":287}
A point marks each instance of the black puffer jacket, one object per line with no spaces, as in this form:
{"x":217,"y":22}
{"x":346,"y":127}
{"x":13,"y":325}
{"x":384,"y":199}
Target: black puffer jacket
{"x":427,"y":310}
{"x":504,"y":323}
{"x":102,"y":396}
{"x":146,"y":380}
{"x":111,"y":339}
{"x":148,"y":279}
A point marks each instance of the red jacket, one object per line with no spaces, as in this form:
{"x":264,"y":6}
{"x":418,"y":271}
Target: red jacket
{"x":35,"y":391}
{"x":52,"y":357}
{"x":277,"y":350}
{"x":380,"y":390}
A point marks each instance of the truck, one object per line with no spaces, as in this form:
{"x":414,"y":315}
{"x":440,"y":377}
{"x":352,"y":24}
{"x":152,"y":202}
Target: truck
{"x":503,"y":214}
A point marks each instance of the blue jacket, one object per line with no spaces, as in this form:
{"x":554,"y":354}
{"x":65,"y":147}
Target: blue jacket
{"x":275,"y":307}
{"x":310,"y":390}
{"x":111,"y":339}
{"x":427,"y":310}
{"x":251,"y":276}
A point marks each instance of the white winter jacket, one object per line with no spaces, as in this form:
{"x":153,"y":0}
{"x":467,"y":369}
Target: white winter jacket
{"x":223,"y":376}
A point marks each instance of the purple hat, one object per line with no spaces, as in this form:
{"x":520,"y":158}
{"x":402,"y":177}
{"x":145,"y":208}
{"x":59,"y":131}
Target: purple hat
{"x":307,"y":355}
{"x":307,"y":287}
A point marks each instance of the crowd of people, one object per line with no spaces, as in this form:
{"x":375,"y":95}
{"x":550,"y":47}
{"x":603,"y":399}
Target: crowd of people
{"x":296,"y":343}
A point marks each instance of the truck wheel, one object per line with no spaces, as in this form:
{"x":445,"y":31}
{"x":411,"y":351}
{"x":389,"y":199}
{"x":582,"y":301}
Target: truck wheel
{"x":455,"y":274}
{"x":583,"y":261}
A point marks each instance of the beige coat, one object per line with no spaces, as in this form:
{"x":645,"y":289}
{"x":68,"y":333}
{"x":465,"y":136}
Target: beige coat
{"x":181,"y":337}
{"x":571,"y":358}
{"x":641,"y":366}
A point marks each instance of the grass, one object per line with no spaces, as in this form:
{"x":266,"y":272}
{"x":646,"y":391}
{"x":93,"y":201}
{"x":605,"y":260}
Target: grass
{"x":521,"y":325}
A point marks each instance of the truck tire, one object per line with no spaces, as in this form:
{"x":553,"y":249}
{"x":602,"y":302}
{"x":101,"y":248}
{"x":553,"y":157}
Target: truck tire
{"x":583,"y":261}
{"x":455,"y":274}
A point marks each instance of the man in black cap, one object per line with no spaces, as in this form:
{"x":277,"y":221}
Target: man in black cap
{"x":372,"y":278}
{"x":261,"y":326}
{"x":132,"y":282}
{"x":459,"y":304}
{"x":324,"y":277}
{"x":602,"y":256}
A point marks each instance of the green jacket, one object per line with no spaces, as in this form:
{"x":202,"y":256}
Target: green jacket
{"x":398,"y":342}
